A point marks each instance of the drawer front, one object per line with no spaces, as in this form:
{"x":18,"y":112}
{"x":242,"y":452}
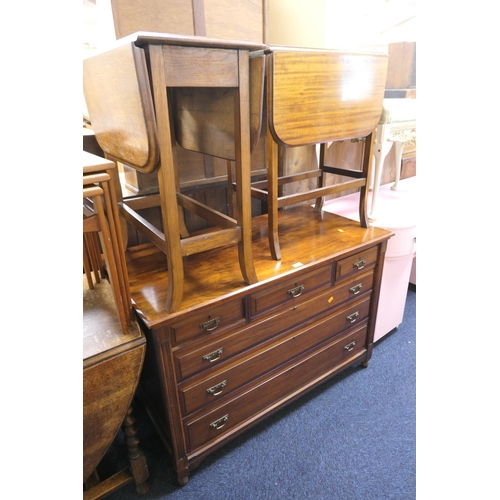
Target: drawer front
{"x":276,"y":389}
{"x":290,"y":290}
{"x":267,"y":358}
{"x":356,"y":263}
{"x":216,"y":319}
{"x":192,"y":360}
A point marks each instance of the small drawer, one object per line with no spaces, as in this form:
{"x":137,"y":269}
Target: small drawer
{"x":215,"y":319}
{"x":262,"y":396}
{"x":356,"y":263}
{"x":265,"y":359}
{"x":290,"y":290}
{"x":197,"y":358}
{"x":357,"y":285}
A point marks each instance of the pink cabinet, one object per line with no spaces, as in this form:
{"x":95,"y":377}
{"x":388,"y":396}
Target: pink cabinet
{"x":397,"y":213}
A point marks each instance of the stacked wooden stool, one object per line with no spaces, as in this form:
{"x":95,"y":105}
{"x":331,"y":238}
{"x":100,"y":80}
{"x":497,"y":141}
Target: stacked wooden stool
{"x":113,"y":344}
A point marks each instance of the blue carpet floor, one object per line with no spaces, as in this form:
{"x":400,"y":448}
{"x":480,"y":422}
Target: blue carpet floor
{"x":354,"y":437}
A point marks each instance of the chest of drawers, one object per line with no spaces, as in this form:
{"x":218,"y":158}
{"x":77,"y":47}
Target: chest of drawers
{"x":236,"y":353}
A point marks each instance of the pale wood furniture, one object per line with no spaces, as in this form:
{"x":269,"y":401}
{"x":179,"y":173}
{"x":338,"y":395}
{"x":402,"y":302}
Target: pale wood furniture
{"x":233,"y":355}
{"x":100,"y":217}
{"x":314,"y":97}
{"x":120,"y":88}
{"x":113,"y":344}
{"x":397,"y":128}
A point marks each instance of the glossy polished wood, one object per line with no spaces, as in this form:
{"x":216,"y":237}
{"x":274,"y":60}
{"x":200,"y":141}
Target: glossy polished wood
{"x":321,"y":96}
{"x":309,"y":237}
{"x":314,"y":97}
{"x":236,"y":353}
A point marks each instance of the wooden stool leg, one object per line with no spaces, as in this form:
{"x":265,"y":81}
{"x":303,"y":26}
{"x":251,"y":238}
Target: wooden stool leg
{"x":242,"y":169}
{"x":111,"y":262}
{"x":117,"y":197}
{"x":167,"y":184}
{"x":94,"y":249}
{"x":321,"y":180}
{"x":231,"y":197}
{"x":87,"y":267}
{"x":272,"y":196}
{"x":118,"y":250}
{"x":366,"y":169}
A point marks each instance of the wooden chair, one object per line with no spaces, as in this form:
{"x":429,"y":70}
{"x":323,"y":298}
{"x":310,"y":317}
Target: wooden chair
{"x":314,"y":97}
{"x":120,"y":86}
{"x":113,"y":343}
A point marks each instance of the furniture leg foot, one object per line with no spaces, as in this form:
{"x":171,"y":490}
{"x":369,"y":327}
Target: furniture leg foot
{"x":274,"y":245}
{"x":246,"y":265}
{"x":182,"y":480}
{"x":182,"y":476}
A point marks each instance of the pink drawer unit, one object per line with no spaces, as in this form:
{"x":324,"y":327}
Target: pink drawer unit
{"x":401,"y":250}
{"x":397,"y":213}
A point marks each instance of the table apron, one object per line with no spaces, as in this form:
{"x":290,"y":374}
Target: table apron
{"x":200,"y":67}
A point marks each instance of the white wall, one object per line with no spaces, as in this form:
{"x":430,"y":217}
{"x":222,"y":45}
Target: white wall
{"x":297,"y":22}
{"x":341,"y":24}
{"x":337,"y":24}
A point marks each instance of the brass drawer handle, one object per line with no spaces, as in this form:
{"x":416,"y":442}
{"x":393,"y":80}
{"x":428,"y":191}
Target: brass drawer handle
{"x":356,"y":289}
{"x":213,"y":356}
{"x":219,"y":424}
{"x":211,"y":324}
{"x":360,"y":264}
{"x":352,"y":317}
{"x":217,"y":389}
{"x":350,"y":347}
{"x":297,"y":291}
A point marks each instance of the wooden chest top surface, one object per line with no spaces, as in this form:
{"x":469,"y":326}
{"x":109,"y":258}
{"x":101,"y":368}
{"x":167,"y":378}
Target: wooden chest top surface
{"x":307,"y":238}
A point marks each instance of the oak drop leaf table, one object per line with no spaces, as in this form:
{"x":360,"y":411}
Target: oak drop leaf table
{"x":141,"y":97}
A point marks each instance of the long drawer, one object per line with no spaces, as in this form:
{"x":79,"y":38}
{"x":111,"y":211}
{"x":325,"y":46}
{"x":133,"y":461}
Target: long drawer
{"x":268,"y":357}
{"x":205,"y":354}
{"x":275,"y":389}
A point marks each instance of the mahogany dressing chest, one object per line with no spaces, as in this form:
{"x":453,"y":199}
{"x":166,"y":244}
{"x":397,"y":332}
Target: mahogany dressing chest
{"x":236,"y":353}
